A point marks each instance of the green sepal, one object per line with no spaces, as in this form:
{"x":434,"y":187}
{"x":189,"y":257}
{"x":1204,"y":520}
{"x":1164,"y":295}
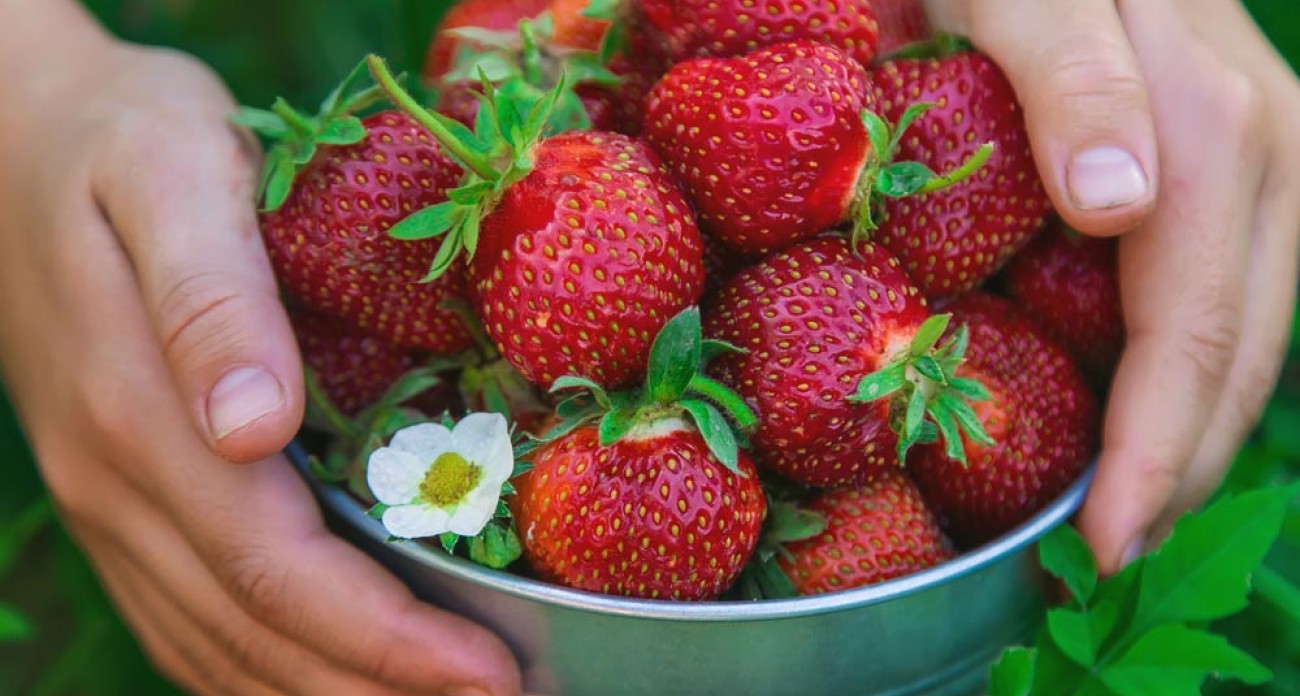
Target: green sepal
{"x":342,"y":131}
{"x":881,"y":383}
{"x":903,"y":179}
{"x":878,"y":133}
{"x":929,"y":333}
{"x":377,"y":511}
{"x":429,"y":222}
{"x":573,"y":382}
{"x":261,"y":121}
{"x":674,"y":357}
{"x":607,"y":10}
{"x":497,"y":546}
{"x":716,"y":432}
{"x":615,"y":424}
{"x":711,"y":348}
{"x":449,"y":540}
{"x":930,"y":369}
{"x":905,"y":121}
{"x":788,"y":522}
{"x":276,"y":184}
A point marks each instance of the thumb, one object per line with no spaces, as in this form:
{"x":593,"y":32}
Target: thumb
{"x":1085,"y":105}
{"x":180,"y":198}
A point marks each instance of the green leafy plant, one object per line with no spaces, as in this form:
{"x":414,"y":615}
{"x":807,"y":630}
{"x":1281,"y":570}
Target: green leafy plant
{"x":1142,"y":632}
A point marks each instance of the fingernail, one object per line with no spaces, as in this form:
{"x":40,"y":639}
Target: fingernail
{"x":1105,"y":177}
{"x":242,"y":396}
{"x":1134,"y":549}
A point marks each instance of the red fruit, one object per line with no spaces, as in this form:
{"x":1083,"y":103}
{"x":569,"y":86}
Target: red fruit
{"x":654,"y":515}
{"x":951,"y":240}
{"x":720,"y":265}
{"x":582,"y":261}
{"x":874,"y":533}
{"x":499,"y":15}
{"x":574,"y":29}
{"x":815,"y":319}
{"x":769,"y":146}
{"x":1067,"y":283}
{"x":1042,"y":418}
{"x":354,"y":368}
{"x":901,"y":22}
{"x":685,"y":29}
{"x":329,"y":243}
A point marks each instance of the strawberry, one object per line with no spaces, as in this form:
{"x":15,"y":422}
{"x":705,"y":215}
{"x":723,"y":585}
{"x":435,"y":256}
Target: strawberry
{"x":680,"y":30}
{"x":816,"y":320}
{"x":333,"y":186}
{"x":354,"y":368}
{"x":720,"y":264}
{"x":951,"y":240}
{"x":1041,"y":415}
{"x":494,"y":15}
{"x":1067,"y":283}
{"x":654,"y":500}
{"x":902,"y":22}
{"x":876,"y":532}
{"x":581,"y":246}
{"x":778,"y":145}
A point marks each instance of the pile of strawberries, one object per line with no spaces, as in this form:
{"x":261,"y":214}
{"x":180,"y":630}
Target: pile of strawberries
{"x":772,"y":313}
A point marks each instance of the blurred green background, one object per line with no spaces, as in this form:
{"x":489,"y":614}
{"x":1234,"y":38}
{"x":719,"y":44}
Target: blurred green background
{"x":58,"y":634}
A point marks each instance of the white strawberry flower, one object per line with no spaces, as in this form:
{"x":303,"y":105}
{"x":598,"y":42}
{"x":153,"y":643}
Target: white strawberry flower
{"x":433,"y":480}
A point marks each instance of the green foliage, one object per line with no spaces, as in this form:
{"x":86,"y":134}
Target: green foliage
{"x":1142,"y":632}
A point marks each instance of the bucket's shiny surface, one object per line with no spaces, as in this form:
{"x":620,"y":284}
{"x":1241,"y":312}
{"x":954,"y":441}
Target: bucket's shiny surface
{"x":934,"y":632}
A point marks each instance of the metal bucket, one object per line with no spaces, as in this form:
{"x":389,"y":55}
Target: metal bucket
{"x":934,"y":632}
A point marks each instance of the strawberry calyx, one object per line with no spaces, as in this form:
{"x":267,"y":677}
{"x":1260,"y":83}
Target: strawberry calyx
{"x":294,"y":136}
{"x":787,"y":522}
{"x":674,"y":389}
{"x":928,"y":401}
{"x":355,"y":438}
{"x":527,"y":63}
{"x":495,"y":154}
{"x":883,"y":177}
{"x":940,"y":45}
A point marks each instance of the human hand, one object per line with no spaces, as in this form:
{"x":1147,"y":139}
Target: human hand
{"x":1208,"y":201}
{"x":128,"y":246}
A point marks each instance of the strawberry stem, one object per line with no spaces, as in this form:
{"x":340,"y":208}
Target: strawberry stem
{"x":532,"y":59}
{"x":326,"y":408}
{"x":299,"y":123}
{"x":967,"y":168}
{"x":472,"y":160}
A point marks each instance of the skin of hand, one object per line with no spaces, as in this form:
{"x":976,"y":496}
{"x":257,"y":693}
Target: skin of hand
{"x":1171,"y":123}
{"x":132,"y":279}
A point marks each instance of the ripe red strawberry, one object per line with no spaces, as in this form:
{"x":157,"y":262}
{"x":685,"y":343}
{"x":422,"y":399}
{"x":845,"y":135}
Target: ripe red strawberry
{"x":1067,"y":283}
{"x":1042,"y":418}
{"x":902,"y":22}
{"x":951,"y":240}
{"x":497,"y":15}
{"x":654,"y":515}
{"x":815,"y":320}
{"x":353,"y":368}
{"x":769,"y":146}
{"x":656,"y":501}
{"x":685,"y":29}
{"x":573,"y":27}
{"x":778,"y":145}
{"x":581,"y":250}
{"x":329,"y":244}
{"x":874,"y":533}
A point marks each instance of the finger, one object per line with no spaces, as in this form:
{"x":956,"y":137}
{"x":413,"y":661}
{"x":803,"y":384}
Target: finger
{"x":1271,"y":296}
{"x":274,"y":576}
{"x":1085,"y":102}
{"x":1182,"y":280}
{"x":165,"y":573}
{"x":176,"y":646}
{"x":180,"y":198}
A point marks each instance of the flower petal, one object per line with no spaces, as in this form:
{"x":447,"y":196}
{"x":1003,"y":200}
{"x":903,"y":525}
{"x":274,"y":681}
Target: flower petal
{"x":484,"y":438}
{"x":470,"y":519}
{"x":394,"y":476}
{"x":414,"y":521}
{"x":422,"y":440}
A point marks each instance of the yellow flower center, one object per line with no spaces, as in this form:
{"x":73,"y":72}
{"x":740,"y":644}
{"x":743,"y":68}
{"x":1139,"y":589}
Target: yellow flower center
{"x":449,"y":480}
